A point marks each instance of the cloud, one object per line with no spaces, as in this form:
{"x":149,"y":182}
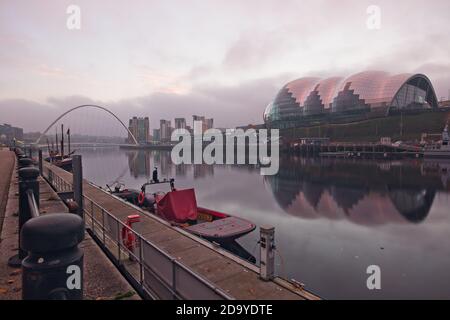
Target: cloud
{"x":230,"y":106}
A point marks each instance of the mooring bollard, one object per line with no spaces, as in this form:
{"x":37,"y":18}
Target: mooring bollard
{"x":267,"y":243}
{"x":41,"y":163}
{"x":25,"y":162}
{"x":19,"y":152}
{"x":53,"y":268}
{"x":77,"y":183}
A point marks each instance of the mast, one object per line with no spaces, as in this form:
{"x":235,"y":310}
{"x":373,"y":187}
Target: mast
{"x":68,"y":139}
{"x":56,"y":142}
{"x":48,"y":148}
{"x":62,"y":141}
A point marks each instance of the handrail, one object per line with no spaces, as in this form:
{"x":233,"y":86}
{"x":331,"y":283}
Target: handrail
{"x":32,"y":204}
{"x":141,"y":260}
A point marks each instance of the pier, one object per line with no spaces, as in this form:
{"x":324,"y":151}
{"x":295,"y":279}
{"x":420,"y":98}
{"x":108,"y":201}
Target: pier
{"x":356,"y":150}
{"x":169,"y":263}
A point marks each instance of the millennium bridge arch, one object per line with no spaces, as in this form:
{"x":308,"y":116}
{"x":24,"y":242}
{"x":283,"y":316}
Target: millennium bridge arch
{"x":87,"y":106}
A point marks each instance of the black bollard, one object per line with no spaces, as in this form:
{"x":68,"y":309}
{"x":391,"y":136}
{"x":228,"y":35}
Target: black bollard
{"x":53,"y":268}
{"x":41,"y":168}
{"x":21,"y":156}
{"x":25,"y":162}
{"x":77,"y":183}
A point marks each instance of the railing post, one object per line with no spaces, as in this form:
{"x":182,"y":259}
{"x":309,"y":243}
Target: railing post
{"x":267,"y":243}
{"x":41,"y":170}
{"x":77,"y":183}
{"x":53,"y":268}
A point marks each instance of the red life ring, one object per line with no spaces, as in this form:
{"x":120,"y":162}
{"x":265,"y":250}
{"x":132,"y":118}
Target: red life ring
{"x":128,"y":238}
{"x":141,"y":198}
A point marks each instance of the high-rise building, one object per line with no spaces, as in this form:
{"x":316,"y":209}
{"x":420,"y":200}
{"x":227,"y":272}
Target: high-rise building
{"x":180,"y":123}
{"x":209,"y":123}
{"x":156,"y":135}
{"x":165,"y":130}
{"x":206,"y":123}
{"x":140,"y":128}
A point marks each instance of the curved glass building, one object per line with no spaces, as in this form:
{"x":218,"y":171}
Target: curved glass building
{"x":312,"y":101}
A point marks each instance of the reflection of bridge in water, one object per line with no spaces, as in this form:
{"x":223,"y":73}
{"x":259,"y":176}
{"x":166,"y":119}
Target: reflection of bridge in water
{"x":366,"y":193}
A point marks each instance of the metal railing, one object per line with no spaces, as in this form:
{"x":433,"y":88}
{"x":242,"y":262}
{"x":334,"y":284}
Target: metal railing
{"x":157,"y":273}
{"x":57,"y":182}
{"x":32,"y":204}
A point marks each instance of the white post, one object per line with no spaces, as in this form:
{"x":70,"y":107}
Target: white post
{"x":267,"y":244}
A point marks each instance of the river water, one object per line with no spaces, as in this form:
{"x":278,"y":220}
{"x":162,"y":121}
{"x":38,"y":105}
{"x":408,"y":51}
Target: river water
{"x":333,"y":218}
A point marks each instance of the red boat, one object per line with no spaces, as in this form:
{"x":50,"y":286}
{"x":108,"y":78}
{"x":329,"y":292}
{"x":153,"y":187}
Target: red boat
{"x":180,"y":208}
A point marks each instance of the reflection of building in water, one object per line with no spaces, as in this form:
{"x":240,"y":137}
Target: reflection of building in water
{"x":139,"y":163}
{"x":359,"y":192}
{"x":165,"y":164}
{"x":203,"y":170}
{"x":181,"y":170}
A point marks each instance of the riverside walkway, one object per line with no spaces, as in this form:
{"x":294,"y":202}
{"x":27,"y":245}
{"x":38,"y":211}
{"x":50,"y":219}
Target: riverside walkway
{"x":102,"y":280}
{"x":234,"y":277}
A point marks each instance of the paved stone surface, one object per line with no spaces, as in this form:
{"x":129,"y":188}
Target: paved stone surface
{"x":6,"y":166}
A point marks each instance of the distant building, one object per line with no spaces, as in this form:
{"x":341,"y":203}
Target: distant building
{"x":197,"y":118}
{"x":156,"y":135}
{"x":310,"y":101}
{"x":206,"y":123}
{"x":209,"y":123}
{"x":140,"y":128}
{"x":180,"y":123}
{"x":8,"y":133}
{"x":165,"y":130}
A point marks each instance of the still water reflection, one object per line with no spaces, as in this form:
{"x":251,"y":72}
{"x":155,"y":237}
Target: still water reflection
{"x":333,"y":218}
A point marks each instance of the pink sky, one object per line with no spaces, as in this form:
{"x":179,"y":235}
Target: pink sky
{"x":224,"y":59}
